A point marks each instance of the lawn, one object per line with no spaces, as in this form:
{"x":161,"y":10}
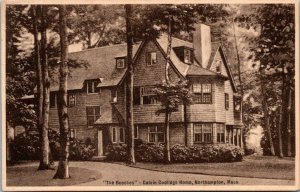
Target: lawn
{"x":29,"y":176}
{"x":253,"y":167}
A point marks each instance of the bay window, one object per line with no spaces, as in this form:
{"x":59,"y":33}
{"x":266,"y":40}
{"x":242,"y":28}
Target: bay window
{"x":203,"y":133}
{"x":202,"y":93}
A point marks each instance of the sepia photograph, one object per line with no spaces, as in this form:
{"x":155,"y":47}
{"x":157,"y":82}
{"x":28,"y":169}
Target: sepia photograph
{"x":150,"y":96}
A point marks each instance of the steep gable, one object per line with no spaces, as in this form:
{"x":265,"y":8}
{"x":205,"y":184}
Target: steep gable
{"x":218,"y":63}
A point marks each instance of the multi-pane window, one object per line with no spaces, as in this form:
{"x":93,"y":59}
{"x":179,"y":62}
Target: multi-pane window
{"x":202,"y":93}
{"x":220,"y":133}
{"x":91,"y":86}
{"x":151,"y":58}
{"x":114,"y":96}
{"x":156,"y":134}
{"x":114,"y":135}
{"x":226,"y":101}
{"x":136,"y":132}
{"x":187,"y":56}
{"x":122,"y":135}
{"x":92,"y":113}
{"x":120,"y":62}
{"x":148,"y":96}
{"x":144,"y":96}
{"x":71,"y":100}
{"x":203,"y":133}
{"x":53,"y":98}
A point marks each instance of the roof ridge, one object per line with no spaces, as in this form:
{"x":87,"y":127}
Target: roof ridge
{"x":95,"y":48}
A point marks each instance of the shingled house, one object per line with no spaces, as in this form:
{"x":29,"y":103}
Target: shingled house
{"x":97,"y":95}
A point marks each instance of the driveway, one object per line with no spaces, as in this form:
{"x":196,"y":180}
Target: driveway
{"x":121,"y":175}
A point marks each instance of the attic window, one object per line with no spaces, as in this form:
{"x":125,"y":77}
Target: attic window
{"x":218,"y":66}
{"x":151,"y":58}
{"x":91,"y":86}
{"x":120,"y":62}
{"x":187,"y":56}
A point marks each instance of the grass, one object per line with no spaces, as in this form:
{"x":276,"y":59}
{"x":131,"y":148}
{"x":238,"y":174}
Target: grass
{"x":30,"y":176}
{"x":253,"y":167}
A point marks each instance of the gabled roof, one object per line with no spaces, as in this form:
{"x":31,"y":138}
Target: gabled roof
{"x":102,"y":64}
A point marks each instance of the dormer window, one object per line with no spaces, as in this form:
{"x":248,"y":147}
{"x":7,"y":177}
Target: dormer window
{"x":91,"y":86}
{"x":187,"y":56}
{"x":120,"y":62}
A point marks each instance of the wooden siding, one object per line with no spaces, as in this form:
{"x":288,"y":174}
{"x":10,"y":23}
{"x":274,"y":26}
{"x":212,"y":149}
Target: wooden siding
{"x":77,"y":114}
{"x":203,"y":112}
{"x":152,"y":75}
{"x":218,"y":57}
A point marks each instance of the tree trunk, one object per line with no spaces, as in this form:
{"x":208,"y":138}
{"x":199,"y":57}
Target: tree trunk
{"x":45,"y":148}
{"x":289,"y":135}
{"x":167,"y":137}
{"x":63,"y":166}
{"x":279,"y":132}
{"x":265,"y":110}
{"x":129,"y":106}
{"x":168,"y":51}
{"x":37,"y":60}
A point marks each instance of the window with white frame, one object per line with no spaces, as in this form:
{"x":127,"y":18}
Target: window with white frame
{"x":202,"y":133}
{"x":91,"y":86}
{"x":114,"y":135}
{"x":72,"y":133}
{"x":92,"y":113}
{"x":220,"y":129}
{"x":151,"y":58}
{"x":122,"y":135}
{"x":155,"y":134}
{"x":202,"y":93}
{"x":136,"y":131}
{"x":121,"y":62}
{"x":71,"y":100}
{"x":114,"y":96}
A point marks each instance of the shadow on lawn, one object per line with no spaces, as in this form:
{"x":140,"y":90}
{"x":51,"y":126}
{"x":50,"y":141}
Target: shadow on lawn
{"x":29,"y":176}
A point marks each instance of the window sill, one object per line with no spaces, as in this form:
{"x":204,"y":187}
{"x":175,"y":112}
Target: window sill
{"x":90,"y":127}
{"x":197,"y":142}
{"x":92,"y":93}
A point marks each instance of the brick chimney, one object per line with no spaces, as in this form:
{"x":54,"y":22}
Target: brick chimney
{"x":202,"y":43}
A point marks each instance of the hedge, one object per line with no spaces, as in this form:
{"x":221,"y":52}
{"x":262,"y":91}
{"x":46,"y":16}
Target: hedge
{"x":179,"y":153}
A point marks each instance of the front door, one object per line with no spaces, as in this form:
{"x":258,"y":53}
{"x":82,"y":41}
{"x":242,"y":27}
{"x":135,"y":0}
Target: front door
{"x":100,"y":143}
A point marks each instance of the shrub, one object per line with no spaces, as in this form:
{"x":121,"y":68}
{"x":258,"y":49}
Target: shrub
{"x":206,"y":153}
{"x":27,"y":147}
{"x":116,"y":152}
{"x":81,"y":151}
{"x":150,"y":152}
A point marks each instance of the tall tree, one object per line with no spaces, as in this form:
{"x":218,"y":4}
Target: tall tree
{"x":63,"y":166}
{"x":37,"y":58}
{"x":45,"y":147}
{"x":129,"y":105}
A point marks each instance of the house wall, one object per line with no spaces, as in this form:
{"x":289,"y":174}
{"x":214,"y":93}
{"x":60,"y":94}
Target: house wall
{"x":152,"y":75}
{"x":203,"y":112}
{"x":77,"y":114}
{"x":177,"y":133}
